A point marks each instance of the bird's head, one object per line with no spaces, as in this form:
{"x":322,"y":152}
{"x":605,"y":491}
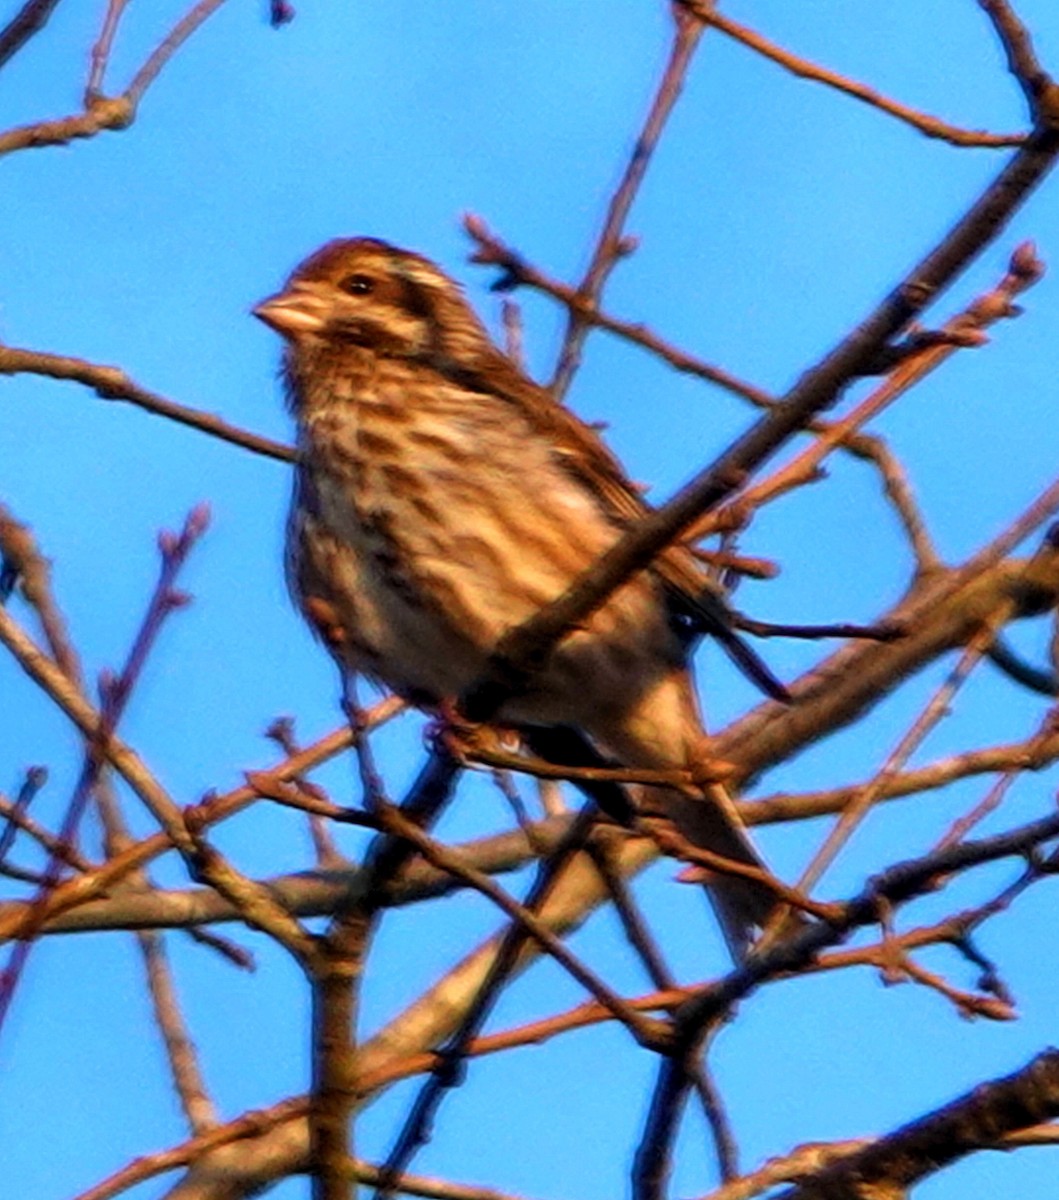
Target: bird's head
{"x":365,"y":292}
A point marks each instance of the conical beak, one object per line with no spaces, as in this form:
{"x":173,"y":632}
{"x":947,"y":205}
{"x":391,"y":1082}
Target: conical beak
{"x":294,"y":312}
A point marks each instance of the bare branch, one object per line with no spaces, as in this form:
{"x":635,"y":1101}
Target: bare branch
{"x":611,"y":246}
{"x":101,"y":49}
{"x":516,"y":271}
{"x":172,"y":42}
{"x":25,"y":24}
{"x":976,"y":1121}
{"x":801,"y":67}
{"x":108,"y":112}
{"x":111,"y":383}
{"x":1022,"y":61}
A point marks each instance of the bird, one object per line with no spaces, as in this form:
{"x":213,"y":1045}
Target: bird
{"x":442,"y":497}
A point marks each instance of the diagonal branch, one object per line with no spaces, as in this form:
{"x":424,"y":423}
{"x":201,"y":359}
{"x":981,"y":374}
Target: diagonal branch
{"x":25,"y":24}
{"x":109,"y":112}
{"x":523,"y":650}
{"x":931,"y":126}
{"x":978,"y":1120}
{"x":610,"y":246}
{"x":111,"y":383}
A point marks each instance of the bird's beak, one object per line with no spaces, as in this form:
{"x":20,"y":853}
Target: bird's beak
{"x":293,"y":313}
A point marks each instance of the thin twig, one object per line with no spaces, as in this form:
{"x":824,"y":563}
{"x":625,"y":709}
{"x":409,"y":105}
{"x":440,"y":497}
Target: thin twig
{"x":993,"y":798}
{"x":965,"y":329}
{"x":21,"y":555}
{"x":717,"y":1119}
{"x":449,"y":860}
{"x":230,"y":951}
{"x":517,"y":271}
{"x":111,"y":383}
{"x":180,"y":1050}
{"x":896,"y":885}
{"x":249,"y":1125}
{"x":281,"y":731}
{"x":1030,"y":755}
{"x":936,"y":709}
{"x":931,"y":126}
{"x":371,"y":781}
{"x":100,"y":55}
{"x":109,"y":112}
{"x":637,"y":931}
{"x":1021,"y":59}
{"x":673,"y":844}
{"x":611,"y":246}
{"x":169,"y":45}
{"x":16,"y":818}
{"x":532,"y":1033}
{"x":115,"y":692}
{"x":417,"y":1126}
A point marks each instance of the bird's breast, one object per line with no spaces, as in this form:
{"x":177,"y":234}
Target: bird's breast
{"x":456,"y":521}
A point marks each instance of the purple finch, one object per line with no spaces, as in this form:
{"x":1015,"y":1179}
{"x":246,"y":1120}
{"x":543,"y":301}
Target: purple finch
{"x":442,"y":498}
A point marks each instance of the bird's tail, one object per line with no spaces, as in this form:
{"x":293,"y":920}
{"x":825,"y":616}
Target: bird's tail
{"x":743,"y":906}
{"x":662,"y":730}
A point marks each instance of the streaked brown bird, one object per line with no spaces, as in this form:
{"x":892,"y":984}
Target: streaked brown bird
{"x":442,"y":498}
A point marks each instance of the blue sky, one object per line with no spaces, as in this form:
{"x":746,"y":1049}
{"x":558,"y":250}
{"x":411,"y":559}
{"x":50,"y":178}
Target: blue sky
{"x":775,"y":215}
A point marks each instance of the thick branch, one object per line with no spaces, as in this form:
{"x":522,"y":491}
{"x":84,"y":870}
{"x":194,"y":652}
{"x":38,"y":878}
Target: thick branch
{"x":976,"y":1121}
{"x":25,"y":24}
{"x":525,"y":648}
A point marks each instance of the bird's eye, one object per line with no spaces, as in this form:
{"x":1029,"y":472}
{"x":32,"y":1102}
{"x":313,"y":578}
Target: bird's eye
{"x":357,"y":285}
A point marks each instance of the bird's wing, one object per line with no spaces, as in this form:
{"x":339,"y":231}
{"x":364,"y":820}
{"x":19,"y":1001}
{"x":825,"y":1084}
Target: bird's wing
{"x":694,"y":595}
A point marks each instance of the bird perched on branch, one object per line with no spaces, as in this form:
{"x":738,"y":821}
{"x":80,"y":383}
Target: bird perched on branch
{"x":442,"y":498}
